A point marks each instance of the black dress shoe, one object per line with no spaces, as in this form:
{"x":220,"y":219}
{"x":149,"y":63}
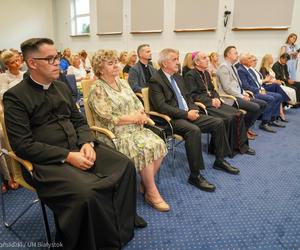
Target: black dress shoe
{"x":201,"y":183}
{"x":139,"y":222}
{"x":226,"y":167}
{"x":267,"y":128}
{"x":277,"y":124}
{"x":250,"y":151}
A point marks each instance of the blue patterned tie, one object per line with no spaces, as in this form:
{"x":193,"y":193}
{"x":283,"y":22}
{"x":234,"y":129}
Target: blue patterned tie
{"x":254,"y":78}
{"x":181,"y":102}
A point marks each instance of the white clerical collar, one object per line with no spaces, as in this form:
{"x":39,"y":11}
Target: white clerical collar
{"x":45,"y":86}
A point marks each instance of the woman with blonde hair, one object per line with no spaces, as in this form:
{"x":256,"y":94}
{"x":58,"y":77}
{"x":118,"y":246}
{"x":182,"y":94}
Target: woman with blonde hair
{"x":187,"y":63}
{"x":12,"y":76}
{"x":76,"y":68}
{"x":213,"y":63}
{"x":131,"y":60}
{"x":122,"y":62}
{"x":115,"y":106}
{"x":65,"y":60}
{"x":291,"y":48}
{"x":266,"y":70}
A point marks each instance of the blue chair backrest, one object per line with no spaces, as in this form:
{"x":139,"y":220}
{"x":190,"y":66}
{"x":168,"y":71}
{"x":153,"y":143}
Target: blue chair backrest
{"x":71,"y":80}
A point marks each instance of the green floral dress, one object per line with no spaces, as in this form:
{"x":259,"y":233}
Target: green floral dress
{"x":107,"y":105}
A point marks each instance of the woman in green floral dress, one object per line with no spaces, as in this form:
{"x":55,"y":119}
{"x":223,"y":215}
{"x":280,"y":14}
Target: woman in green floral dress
{"x":116,"y":107}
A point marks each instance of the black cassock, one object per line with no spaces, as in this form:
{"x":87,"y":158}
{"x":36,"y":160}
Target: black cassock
{"x":94,"y":209}
{"x":201,"y":89}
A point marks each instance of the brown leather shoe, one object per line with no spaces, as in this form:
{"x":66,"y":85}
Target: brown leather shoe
{"x":161,"y":206}
{"x":4,"y":188}
{"x":251,"y":132}
{"x":250,"y":137}
{"x":12,"y":184}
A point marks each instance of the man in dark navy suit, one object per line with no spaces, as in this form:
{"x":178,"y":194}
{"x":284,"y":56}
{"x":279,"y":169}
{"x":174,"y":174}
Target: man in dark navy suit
{"x":274,"y":100}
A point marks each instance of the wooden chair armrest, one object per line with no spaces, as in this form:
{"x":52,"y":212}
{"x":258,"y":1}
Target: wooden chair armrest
{"x":228,"y":96}
{"x":150,"y":122}
{"x":165,"y":117}
{"x":244,"y":112}
{"x":25,"y":163}
{"x":139,"y":95}
{"x":200,"y":105}
{"x":249,"y":92}
{"x":104,"y":131}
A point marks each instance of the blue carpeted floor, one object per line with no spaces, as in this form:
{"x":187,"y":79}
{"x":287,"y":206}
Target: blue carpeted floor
{"x":258,"y":209}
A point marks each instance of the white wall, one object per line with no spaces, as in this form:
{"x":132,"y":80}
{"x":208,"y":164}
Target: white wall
{"x":20,"y":20}
{"x":257,"y":42}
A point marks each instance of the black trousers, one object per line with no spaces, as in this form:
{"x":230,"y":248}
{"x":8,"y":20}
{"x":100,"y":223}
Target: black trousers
{"x":235,"y":127}
{"x":295,"y":86}
{"x":191,"y":131}
{"x":254,"y":108}
{"x":95,"y":209}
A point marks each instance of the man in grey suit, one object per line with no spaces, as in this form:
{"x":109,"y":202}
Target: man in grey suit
{"x":230,"y":84}
{"x":142,"y":71}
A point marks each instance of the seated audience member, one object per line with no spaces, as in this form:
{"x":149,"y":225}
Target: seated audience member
{"x":13,"y":75}
{"x":90,"y":189}
{"x":269,"y":86}
{"x":201,"y":89}
{"x":131,"y":61}
{"x":187,"y":64}
{"x":122,"y":61}
{"x":266,"y":70}
{"x":10,"y":78}
{"x":141,"y":72}
{"x":230,"y":84}
{"x":65,"y":60}
{"x":273,"y":100}
{"x":168,"y":96}
{"x":281,"y":71}
{"x":76,"y":69}
{"x":85,"y":61}
{"x":115,"y":106}
{"x":213,"y":63}
{"x":2,"y":66}
{"x":292,"y":49}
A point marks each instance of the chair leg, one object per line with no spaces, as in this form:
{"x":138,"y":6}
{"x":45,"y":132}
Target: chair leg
{"x":9,"y":225}
{"x":5,"y":222}
{"x":173,"y":155}
{"x":158,"y":176}
{"x":207,"y":147}
{"x":2,"y":202}
{"x":46,"y":224}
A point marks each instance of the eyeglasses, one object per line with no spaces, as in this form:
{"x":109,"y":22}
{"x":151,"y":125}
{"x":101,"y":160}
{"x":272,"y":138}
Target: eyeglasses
{"x":51,"y":60}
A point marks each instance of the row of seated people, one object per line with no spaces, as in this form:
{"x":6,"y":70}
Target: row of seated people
{"x":141,"y":73}
{"x":69,"y":165}
{"x":11,"y":76}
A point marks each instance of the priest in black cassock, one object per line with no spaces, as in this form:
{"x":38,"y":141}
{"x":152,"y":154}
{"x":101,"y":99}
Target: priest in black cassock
{"x":90,"y":188}
{"x":201,"y":89}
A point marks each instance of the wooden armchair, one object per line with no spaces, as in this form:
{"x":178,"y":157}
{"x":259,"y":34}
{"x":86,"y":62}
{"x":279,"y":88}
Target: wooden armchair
{"x":172,"y":137}
{"x":216,"y":86}
{"x":17,"y":164}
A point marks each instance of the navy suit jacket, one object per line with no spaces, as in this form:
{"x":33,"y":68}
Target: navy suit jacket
{"x":247,"y":81}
